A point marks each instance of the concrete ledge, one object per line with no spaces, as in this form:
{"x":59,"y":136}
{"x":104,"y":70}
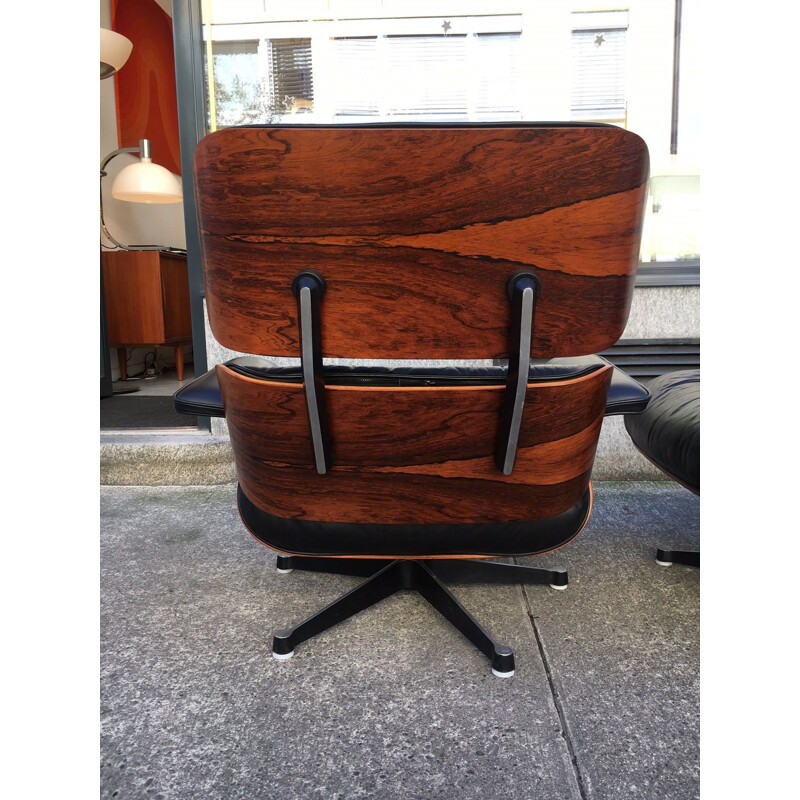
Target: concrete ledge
{"x":201,"y":459}
{"x":165,"y":459}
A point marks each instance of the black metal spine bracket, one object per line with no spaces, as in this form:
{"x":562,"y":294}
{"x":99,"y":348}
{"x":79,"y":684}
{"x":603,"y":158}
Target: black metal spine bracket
{"x":523,"y":288}
{"x":309,"y":287}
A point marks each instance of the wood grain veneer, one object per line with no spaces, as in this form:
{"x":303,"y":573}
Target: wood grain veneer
{"x":147,"y":302}
{"x":414,"y":454}
{"x":416,"y":231}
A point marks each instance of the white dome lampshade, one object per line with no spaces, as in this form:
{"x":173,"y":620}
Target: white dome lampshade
{"x":114,"y":52}
{"x":146,"y":182}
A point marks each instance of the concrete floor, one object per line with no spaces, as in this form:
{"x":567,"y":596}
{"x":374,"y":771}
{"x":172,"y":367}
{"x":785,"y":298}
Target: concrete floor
{"x":394,"y":703}
{"x":164,"y":384}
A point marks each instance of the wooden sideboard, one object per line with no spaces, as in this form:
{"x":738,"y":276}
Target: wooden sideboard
{"x":147,"y":302}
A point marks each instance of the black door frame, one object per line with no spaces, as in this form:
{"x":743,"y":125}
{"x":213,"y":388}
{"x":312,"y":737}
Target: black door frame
{"x":106,"y":384}
{"x":187,"y":32}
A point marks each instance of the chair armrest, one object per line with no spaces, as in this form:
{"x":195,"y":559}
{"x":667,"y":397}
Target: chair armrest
{"x":200,"y":397}
{"x":625,"y":395}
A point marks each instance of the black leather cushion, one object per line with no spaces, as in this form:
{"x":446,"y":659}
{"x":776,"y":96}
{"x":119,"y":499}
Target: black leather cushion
{"x":555,"y":369}
{"x":668,"y":432}
{"x":202,"y":396}
{"x":625,"y":395}
{"x":308,"y":538}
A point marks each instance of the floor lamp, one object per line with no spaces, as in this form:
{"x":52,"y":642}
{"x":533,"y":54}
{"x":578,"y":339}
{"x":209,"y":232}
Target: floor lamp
{"x":140,"y":182}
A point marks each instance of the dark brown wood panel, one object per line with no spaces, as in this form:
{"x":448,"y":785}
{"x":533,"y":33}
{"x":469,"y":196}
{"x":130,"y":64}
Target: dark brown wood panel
{"x":175,"y":283}
{"x":147,"y":302}
{"x":415,"y":454}
{"x":416,"y":231}
{"x":134,"y":299}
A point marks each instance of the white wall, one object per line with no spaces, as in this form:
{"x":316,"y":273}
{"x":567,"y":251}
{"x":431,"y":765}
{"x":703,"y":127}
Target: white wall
{"x":133,"y":223}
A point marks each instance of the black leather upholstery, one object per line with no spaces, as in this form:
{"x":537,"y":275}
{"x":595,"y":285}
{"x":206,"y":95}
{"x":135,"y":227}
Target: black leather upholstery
{"x":625,"y":395}
{"x":307,"y":537}
{"x":555,"y":369}
{"x":668,"y":432}
{"x":202,"y":396}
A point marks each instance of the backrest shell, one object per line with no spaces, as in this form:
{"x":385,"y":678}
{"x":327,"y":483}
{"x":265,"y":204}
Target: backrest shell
{"x":416,"y":230}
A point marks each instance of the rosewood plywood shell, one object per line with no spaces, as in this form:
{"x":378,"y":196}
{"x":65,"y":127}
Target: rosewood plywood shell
{"x":416,"y":231}
{"x":414,"y":454}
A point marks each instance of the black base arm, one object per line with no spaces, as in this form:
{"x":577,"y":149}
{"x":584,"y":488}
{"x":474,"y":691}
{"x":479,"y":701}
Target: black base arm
{"x":668,"y":557}
{"x":385,"y":578}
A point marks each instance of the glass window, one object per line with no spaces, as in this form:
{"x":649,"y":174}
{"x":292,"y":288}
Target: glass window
{"x":499,"y":88}
{"x":237,"y":95}
{"x":429,"y":78}
{"x":444,"y":78}
{"x":599,"y":66}
{"x":291,"y":82}
{"x":356,"y":88}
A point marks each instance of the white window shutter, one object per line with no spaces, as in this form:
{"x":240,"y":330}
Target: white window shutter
{"x":357,"y":84}
{"x":428,"y":77}
{"x":599,"y":58}
{"x":498,"y":89}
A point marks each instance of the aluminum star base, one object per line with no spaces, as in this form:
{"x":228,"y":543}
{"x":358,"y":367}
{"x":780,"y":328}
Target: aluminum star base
{"x":385,"y":578}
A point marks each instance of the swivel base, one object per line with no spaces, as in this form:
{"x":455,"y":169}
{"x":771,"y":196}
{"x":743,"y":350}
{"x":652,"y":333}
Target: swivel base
{"x":666,"y":558}
{"x":385,"y":578}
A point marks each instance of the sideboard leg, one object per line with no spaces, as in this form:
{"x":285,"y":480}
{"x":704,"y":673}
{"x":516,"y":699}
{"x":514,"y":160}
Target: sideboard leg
{"x":179,"y":360}
{"x":122,"y":358}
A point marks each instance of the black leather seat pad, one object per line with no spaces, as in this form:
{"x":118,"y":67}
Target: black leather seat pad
{"x":202,"y":396}
{"x":668,"y":432}
{"x":308,"y":538}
